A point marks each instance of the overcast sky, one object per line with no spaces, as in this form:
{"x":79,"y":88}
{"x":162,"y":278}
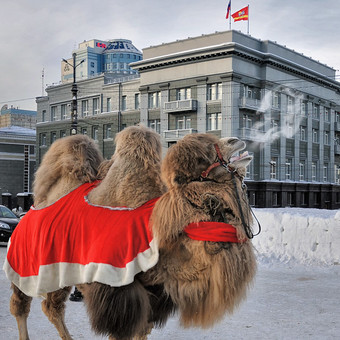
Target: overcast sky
{"x":37,"y":34}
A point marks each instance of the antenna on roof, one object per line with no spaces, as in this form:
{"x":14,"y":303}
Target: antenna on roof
{"x":42,"y":82}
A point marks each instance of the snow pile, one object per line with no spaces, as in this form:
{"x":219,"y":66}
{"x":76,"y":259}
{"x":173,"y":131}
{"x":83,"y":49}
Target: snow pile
{"x":305,"y":236}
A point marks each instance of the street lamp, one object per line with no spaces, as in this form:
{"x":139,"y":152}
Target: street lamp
{"x":74,"y":90}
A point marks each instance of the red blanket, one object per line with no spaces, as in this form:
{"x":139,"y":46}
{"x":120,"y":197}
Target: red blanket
{"x":72,"y":242}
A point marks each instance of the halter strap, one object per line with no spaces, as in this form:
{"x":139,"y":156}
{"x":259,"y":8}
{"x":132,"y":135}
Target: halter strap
{"x":219,"y":162}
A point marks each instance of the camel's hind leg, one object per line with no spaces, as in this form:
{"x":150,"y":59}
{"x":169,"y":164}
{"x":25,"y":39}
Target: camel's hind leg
{"x":20,"y":305}
{"x":54,"y":308}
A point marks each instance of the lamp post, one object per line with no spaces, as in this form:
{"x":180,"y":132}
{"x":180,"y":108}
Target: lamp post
{"x":74,"y":90}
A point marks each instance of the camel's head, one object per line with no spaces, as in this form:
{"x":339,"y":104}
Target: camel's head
{"x":138,"y":143}
{"x":204,"y":157}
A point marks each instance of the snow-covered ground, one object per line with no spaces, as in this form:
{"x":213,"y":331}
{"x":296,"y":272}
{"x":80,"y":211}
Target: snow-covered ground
{"x":296,"y":294}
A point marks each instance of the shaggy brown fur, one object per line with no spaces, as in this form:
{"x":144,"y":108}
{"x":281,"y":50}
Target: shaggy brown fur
{"x":204,"y":279}
{"x":70,"y":162}
{"x":132,"y":179}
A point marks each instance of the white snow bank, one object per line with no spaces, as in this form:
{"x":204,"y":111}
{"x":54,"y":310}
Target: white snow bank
{"x":305,"y":236}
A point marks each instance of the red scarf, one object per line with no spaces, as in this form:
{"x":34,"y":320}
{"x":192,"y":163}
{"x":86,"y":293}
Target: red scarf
{"x":212,"y":231}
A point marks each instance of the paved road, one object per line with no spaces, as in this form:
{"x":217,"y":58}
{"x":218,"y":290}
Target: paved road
{"x":286,"y":302}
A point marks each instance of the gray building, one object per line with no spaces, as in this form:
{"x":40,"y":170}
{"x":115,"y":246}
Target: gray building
{"x":17,"y":164}
{"x":285,"y":105}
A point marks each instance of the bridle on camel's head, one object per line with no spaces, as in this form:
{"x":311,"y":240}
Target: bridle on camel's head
{"x":219,"y":161}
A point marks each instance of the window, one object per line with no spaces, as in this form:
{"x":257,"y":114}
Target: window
{"x":304,"y":198}
{"x":183,"y":94}
{"x":290,"y":104}
{"x":123,"y":103}
{"x":183,"y":122}
{"x":95,"y":103}
{"x":154,"y":100}
{"x":155,"y":124}
{"x":273,"y":168}
{"x":247,"y":122}
{"x":137,"y":101}
{"x":43,"y":139}
{"x":107,"y":131}
{"x":63,"y":111}
{"x":276,"y":199}
{"x":302,"y":133}
{"x":325,"y":173}
{"x":62,"y":133}
{"x":315,"y":134}
{"x":302,"y":170}
{"x":84,"y":131}
{"x":275,"y":99}
{"x":84,"y":108}
{"x":337,"y":174}
{"x":290,"y":198}
{"x":92,"y":64}
{"x":95,"y":133}
{"x":303,"y":108}
{"x":314,"y":171}
{"x":337,"y":117}
{"x":43,"y":116}
{"x":326,"y":116}
{"x":53,"y":113}
{"x":289,"y":130}
{"x":251,"y":92}
{"x":214,"y":91}
{"x":108,"y":104}
{"x":326,"y":137}
{"x":250,"y":168}
{"x":288,"y":168}
{"x":53,"y":137}
{"x":316,"y":110}
{"x":274,"y":125}
{"x":214,"y":121}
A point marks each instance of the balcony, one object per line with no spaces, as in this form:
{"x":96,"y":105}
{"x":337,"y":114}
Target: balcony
{"x":252,"y":134}
{"x":175,"y":135}
{"x":181,"y":105}
{"x":337,"y":126}
{"x":337,"y":149}
{"x":252,"y":104}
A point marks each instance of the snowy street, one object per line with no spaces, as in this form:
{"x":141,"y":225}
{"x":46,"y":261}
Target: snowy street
{"x":292,"y":298}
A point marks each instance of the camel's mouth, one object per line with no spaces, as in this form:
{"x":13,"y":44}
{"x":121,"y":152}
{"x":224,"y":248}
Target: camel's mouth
{"x":243,"y":156}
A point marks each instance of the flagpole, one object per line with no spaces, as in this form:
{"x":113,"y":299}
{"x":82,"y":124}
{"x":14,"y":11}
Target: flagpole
{"x":248,"y":19}
{"x":230,"y":17}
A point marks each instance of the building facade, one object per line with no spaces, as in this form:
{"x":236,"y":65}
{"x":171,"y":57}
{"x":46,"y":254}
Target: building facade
{"x":17,"y":162}
{"x":286,"y":106}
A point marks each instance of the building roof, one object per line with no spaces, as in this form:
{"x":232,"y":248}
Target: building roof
{"x":17,"y":132}
{"x":5,"y":110}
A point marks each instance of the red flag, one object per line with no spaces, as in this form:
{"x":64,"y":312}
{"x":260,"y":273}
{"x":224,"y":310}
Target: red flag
{"x":242,"y":14}
{"x":228,"y":10}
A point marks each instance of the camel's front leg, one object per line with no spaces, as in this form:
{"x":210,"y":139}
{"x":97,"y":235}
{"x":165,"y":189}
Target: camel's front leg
{"x":54,"y":308}
{"x":20,"y":305}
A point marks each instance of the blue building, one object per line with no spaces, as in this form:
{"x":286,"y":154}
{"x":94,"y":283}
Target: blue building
{"x":11,"y":116}
{"x":112,"y":57}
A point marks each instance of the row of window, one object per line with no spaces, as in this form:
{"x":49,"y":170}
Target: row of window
{"x":294,"y":105}
{"x":112,"y":56}
{"x":107,"y":134}
{"x":288,"y":175}
{"x":288,"y":131}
